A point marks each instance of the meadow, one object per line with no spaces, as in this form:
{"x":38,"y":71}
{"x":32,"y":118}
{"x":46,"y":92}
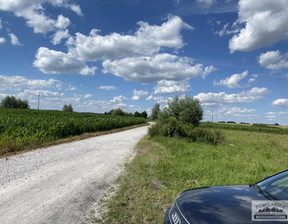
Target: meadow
{"x":21,"y":129}
{"x":165,"y":166}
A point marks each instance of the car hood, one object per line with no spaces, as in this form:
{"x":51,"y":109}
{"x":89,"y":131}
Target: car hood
{"x":219,"y":204}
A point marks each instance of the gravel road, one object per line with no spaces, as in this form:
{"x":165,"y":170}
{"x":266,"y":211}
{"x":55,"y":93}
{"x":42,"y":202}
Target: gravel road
{"x":60,"y":184}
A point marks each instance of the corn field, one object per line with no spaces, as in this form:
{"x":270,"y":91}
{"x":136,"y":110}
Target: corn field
{"x":23,"y":128}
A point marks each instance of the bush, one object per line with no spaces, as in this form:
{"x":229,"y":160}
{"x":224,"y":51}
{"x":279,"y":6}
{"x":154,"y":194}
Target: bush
{"x":186,"y":111}
{"x":175,"y":129}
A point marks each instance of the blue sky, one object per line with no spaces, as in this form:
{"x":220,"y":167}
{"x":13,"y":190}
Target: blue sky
{"x":100,"y":55}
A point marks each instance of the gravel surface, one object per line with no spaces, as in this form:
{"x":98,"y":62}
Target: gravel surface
{"x":60,"y":184}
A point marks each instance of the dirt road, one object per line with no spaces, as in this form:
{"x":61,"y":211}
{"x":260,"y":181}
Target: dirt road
{"x":60,"y":184}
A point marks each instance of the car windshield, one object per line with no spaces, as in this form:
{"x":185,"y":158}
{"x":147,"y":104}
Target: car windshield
{"x":276,"y":186}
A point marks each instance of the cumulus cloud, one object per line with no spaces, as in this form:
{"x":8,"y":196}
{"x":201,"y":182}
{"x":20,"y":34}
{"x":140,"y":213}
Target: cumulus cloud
{"x":118,"y":99}
{"x":171,"y":87}
{"x":33,"y":12}
{"x":14,"y":40}
{"x":232,"y":81}
{"x":62,"y":22}
{"x":148,"y":39}
{"x":281,"y":103}
{"x":222,"y":98}
{"x":138,"y":94}
{"x":108,"y":88}
{"x":155,"y":68}
{"x":265,"y":23}
{"x":55,"y":62}
{"x":274,"y":60}
{"x":59,"y":36}
{"x":9,"y":83}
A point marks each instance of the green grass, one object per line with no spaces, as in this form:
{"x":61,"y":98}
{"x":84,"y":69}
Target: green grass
{"x":164,"y":167}
{"x":247,"y":127}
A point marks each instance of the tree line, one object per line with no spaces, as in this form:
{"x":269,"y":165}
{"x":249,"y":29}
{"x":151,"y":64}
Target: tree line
{"x":12,"y":102}
{"x":120,"y":112}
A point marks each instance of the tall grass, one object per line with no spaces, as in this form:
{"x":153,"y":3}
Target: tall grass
{"x":165,"y":167}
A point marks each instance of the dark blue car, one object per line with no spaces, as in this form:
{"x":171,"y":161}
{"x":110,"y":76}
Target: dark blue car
{"x":231,"y":204}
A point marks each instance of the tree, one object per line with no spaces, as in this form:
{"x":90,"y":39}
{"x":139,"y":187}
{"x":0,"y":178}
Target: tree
{"x":144,"y":114}
{"x":117,"y":112}
{"x":67,"y":108}
{"x":155,"y":112}
{"x":186,"y":111}
{"x":11,"y":102}
{"x":137,"y":114}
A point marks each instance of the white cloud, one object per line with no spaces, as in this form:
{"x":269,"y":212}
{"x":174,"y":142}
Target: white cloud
{"x":59,"y":36}
{"x":148,"y":39}
{"x":43,"y":93}
{"x":62,"y":22}
{"x":77,"y":9}
{"x":55,"y":62}
{"x":227,"y":113}
{"x":281,"y":103}
{"x":118,"y":99}
{"x":33,"y":12}
{"x":232,"y":81}
{"x":138,"y":94}
{"x":222,"y":98}
{"x":86,"y":96}
{"x":108,"y":88}
{"x":226,"y":30}
{"x":156,"y":68}
{"x":206,"y":3}
{"x":9,"y":83}
{"x":273,"y":116}
{"x":2,"y":40}
{"x":253,"y":78}
{"x":88,"y":70}
{"x":14,"y":40}
{"x":265,"y":21}
{"x":274,"y":60}
{"x":37,"y":20}
{"x":158,"y":99}
{"x":171,"y":87}
{"x":71,"y":87}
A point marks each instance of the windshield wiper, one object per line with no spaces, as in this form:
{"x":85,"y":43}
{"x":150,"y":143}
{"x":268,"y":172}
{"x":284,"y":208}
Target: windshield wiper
{"x":264,"y":193}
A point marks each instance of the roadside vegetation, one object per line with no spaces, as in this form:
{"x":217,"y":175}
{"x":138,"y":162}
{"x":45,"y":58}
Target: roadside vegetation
{"x":22,"y":129}
{"x":165,"y":166}
{"x":181,"y":153}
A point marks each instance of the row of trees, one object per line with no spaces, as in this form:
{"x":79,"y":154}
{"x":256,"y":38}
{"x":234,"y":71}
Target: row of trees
{"x":120,"y":112}
{"x":12,"y":102}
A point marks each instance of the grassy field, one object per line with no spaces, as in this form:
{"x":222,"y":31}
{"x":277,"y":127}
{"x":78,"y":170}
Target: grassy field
{"x":22,"y":129}
{"x":247,"y":127}
{"x":164,"y":167}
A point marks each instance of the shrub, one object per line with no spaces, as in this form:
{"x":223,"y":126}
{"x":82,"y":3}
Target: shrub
{"x":176,"y":129}
{"x":186,"y":111}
